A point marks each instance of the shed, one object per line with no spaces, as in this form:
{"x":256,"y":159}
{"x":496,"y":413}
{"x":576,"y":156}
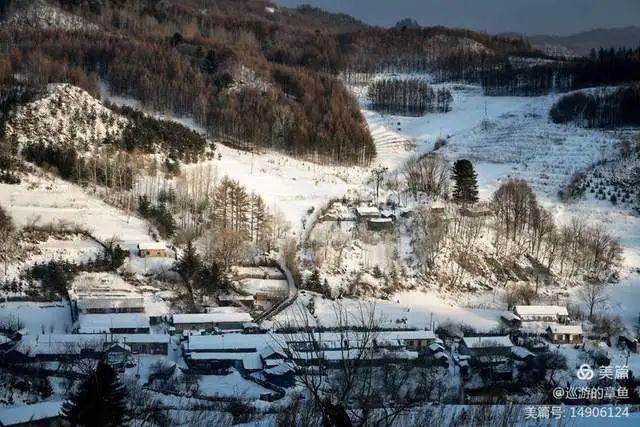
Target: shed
{"x":116,"y":354}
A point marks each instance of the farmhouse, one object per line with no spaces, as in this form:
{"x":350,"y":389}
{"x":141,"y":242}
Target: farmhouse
{"x":152,"y":249}
{"x":222,"y":317}
{"x":565,"y":334}
{"x":334,"y":347}
{"x":544,"y":313}
{"x":487,"y":349}
{"x":116,"y":354}
{"x":259,"y":272}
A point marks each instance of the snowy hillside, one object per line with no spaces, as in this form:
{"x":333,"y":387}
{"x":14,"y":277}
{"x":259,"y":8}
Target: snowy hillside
{"x":44,"y":199}
{"x":65,"y":115}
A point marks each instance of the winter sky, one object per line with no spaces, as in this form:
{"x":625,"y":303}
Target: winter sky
{"x":493,"y":16}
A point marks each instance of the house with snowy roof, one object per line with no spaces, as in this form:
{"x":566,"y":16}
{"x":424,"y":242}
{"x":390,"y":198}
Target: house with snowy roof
{"x":244,"y":352}
{"x":565,"y":334}
{"x":367,"y":212}
{"x":487,"y":349}
{"x":76,"y":346}
{"x":542,"y":313}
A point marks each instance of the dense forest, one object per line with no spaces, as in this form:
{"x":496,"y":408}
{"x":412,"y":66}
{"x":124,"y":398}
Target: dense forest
{"x":408,"y":97}
{"x":11,"y":95}
{"x":599,"y":109}
{"x":147,"y":134}
{"x":602,"y":68}
{"x":219,"y":76}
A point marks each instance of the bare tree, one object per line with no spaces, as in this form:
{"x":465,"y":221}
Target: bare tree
{"x":377,"y":174}
{"x":431,"y":229}
{"x":428,"y":174}
{"x":593,"y":294}
{"x":348,"y":391}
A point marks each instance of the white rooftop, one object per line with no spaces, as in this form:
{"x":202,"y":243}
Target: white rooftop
{"x":368,"y":211}
{"x":97,"y":323}
{"x":250,"y":360}
{"x":218,"y":316}
{"x":229,"y":342}
{"x":488,"y":341}
{"x":541,"y":310}
{"x":521,"y":352}
{"x":73,"y":343}
{"x":151,"y":246}
{"x":381,"y":220}
{"x":507,"y":315}
{"x":566,"y":329}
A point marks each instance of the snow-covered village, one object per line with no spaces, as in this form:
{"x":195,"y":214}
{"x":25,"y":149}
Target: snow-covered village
{"x":256,"y":213}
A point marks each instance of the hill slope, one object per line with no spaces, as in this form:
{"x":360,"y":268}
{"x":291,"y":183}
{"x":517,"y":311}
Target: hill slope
{"x":580,"y":44}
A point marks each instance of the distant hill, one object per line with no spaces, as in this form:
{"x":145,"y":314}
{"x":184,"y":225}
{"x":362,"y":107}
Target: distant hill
{"x":580,"y":44}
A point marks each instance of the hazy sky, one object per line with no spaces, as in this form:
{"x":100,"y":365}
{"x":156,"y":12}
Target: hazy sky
{"x":493,"y":16}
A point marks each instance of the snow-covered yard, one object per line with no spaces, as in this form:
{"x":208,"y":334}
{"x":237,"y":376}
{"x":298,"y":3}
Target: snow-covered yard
{"x":38,"y":318}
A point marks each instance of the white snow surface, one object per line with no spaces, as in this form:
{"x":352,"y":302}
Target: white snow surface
{"x":53,"y":200}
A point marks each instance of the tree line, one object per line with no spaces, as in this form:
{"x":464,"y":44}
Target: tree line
{"x":601,"y":109}
{"x":408,"y":97}
{"x":603,"y":68}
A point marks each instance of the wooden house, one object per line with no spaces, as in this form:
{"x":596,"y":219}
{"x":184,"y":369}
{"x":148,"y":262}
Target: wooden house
{"x":565,"y":334}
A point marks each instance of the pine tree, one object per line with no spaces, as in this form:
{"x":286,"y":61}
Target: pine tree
{"x":466,"y":182}
{"x":314,"y":283}
{"x":188,"y":266}
{"x":99,"y":401}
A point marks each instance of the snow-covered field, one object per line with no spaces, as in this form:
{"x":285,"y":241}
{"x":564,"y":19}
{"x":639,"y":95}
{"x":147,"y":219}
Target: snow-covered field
{"x":52,"y":200}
